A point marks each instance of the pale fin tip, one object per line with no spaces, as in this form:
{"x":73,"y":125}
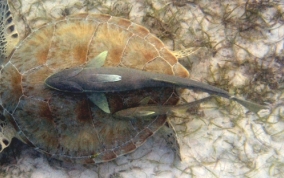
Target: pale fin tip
{"x":98,"y":61}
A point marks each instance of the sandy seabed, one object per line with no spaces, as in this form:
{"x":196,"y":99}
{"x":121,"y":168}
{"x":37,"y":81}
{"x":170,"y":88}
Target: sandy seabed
{"x":242,"y":52}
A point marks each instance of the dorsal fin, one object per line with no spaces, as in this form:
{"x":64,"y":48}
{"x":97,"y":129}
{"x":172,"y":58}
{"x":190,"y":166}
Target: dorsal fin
{"x":98,"y":61}
{"x":9,"y":36}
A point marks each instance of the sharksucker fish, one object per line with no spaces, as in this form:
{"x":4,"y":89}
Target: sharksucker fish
{"x":96,"y":80}
{"x":148,"y":111}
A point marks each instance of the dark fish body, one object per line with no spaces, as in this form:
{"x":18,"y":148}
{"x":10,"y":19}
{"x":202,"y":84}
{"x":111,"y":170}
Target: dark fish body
{"x":92,"y":80}
{"x":116,"y":79}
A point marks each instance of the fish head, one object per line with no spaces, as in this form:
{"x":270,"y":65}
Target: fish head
{"x":61,"y":80}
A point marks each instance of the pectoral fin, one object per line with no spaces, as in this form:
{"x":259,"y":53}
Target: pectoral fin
{"x":100,"y":100}
{"x":98,"y":61}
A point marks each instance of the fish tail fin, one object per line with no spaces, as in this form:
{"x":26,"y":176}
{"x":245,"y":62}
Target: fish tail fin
{"x":254,"y":107}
